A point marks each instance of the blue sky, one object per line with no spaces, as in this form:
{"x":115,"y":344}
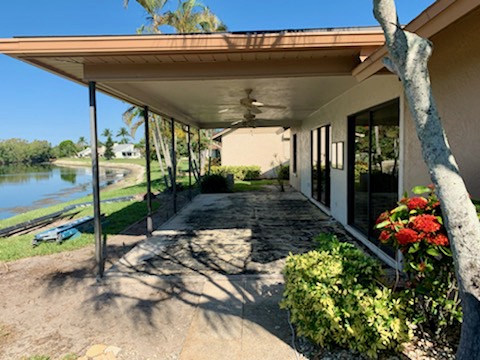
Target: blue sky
{"x":39,"y":105}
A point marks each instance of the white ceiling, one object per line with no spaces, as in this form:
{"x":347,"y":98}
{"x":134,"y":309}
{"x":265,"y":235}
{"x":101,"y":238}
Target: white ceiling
{"x":216,"y":103}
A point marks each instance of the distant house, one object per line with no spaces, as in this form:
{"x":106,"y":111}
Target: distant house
{"x":266,"y":147}
{"x":87,"y":152}
{"x":126,"y":151}
{"x":121,"y":151}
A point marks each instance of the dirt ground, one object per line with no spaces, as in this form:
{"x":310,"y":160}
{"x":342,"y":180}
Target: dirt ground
{"x":33,"y":291}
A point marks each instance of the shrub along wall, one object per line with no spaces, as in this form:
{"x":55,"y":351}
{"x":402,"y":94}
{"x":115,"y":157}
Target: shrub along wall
{"x":239,"y":172}
{"x":335,"y":299}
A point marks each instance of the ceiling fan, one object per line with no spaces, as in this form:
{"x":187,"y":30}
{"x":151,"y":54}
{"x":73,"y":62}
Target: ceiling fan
{"x":248,"y":120}
{"x":252,"y":107}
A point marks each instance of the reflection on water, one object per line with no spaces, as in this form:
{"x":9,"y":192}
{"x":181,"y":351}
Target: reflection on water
{"x":14,"y":174}
{"x":28,"y":187}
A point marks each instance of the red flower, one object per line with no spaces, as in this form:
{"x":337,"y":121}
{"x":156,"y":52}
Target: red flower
{"x":417,"y":203}
{"x":439,"y":239}
{"x":383,"y":216}
{"x":426,"y":223}
{"x":435,"y":204}
{"x":384,"y":236}
{"x":407,"y":236}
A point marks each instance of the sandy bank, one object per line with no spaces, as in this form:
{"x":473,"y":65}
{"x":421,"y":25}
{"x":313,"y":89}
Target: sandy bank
{"x":135,"y":174}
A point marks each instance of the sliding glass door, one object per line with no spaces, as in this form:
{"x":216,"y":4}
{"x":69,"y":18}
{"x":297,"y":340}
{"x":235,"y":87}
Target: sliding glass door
{"x":321,"y":142}
{"x":373,"y":166}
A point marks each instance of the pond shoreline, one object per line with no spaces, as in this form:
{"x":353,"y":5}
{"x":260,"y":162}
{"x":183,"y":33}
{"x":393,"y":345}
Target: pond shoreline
{"x":134,"y":176}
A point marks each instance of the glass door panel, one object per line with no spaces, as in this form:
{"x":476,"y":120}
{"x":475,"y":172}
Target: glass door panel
{"x":321,"y":143}
{"x":314,"y":135}
{"x":324,"y":195}
{"x":374,"y":143}
{"x":361,"y":184}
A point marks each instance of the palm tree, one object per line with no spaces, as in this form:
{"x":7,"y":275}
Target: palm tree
{"x":82,"y":142}
{"x":124,"y":135}
{"x":134,"y":117}
{"x":191,"y":16}
{"x":107,"y":133}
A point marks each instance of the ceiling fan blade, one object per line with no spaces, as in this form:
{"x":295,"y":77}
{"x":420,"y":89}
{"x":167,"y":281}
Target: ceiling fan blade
{"x":274,"y":106}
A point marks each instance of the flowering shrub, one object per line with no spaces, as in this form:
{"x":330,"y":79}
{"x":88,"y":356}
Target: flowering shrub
{"x":416,"y":228}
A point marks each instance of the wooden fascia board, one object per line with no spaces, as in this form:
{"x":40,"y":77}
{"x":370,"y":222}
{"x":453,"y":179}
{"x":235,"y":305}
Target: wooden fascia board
{"x":434,"y":19}
{"x":220,"y":70}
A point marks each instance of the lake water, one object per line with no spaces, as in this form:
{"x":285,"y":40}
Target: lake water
{"x":24,"y":188}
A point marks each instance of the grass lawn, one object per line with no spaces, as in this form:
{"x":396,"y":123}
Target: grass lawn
{"x":254,"y":185}
{"x":118,"y":216}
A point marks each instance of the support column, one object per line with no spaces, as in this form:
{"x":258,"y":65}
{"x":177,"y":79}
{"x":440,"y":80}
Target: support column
{"x":97,"y":223}
{"x":147,"y":168}
{"x":189,"y":148}
{"x":199,"y":161}
{"x":174,"y":167}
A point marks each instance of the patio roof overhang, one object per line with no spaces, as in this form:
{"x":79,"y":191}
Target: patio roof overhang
{"x":199,"y":79}
{"x":434,"y":19}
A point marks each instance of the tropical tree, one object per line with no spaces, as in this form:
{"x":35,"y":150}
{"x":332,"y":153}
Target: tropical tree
{"x":191,"y":16}
{"x":66,"y":148}
{"x":134,"y":117}
{"x":408,"y":58}
{"x":107,"y":133}
{"x":109,"y":154}
{"x":81,"y":143}
{"x":124,"y":135}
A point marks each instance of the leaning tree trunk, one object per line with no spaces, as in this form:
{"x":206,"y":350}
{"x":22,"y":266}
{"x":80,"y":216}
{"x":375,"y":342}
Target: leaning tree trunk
{"x":408,"y":58}
{"x":156,"y":136}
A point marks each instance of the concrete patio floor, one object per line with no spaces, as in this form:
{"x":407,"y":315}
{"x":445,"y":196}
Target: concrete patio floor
{"x":209,"y":281}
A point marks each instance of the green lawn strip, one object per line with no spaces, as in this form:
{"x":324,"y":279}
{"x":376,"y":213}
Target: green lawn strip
{"x":254,"y":185}
{"x":118,"y":216}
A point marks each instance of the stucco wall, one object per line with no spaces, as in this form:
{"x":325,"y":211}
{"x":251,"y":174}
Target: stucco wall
{"x":256,"y":146}
{"x":369,"y":93}
{"x":455,"y":73}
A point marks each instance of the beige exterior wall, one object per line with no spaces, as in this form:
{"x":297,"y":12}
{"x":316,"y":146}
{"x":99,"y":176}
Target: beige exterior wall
{"x":256,"y":146}
{"x":455,"y":73}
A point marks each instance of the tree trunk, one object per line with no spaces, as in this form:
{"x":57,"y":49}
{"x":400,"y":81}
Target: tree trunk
{"x":166,"y":154}
{"x":157,"y":150}
{"x":408,"y":58}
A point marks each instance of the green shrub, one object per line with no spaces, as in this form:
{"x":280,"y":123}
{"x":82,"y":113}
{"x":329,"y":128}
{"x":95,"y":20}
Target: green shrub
{"x":214,"y":184}
{"x":283,"y":172}
{"x":242,"y":173}
{"x":335,"y":299}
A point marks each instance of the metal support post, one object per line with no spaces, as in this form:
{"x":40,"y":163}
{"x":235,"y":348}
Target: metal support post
{"x":174,"y":167}
{"x":147,"y":168}
{"x":199,"y":160}
{"x":99,"y":243}
{"x":189,"y":148}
